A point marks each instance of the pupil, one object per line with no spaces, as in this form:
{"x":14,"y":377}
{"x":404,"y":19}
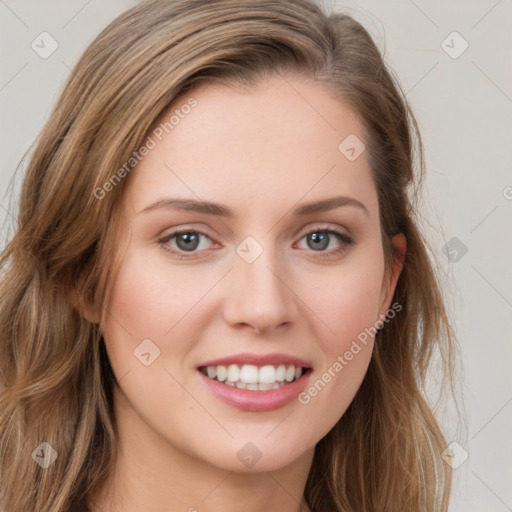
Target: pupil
{"x":188,"y":237}
{"x":318,"y":237}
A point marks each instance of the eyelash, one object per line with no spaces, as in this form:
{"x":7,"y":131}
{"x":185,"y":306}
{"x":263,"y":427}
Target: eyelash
{"x":342,"y":237}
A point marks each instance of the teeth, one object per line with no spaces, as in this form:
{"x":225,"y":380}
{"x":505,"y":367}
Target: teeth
{"x":222,"y":373}
{"x":267,"y":374}
{"x":251,"y":377}
{"x":233,"y":373}
{"x":249,"y":374}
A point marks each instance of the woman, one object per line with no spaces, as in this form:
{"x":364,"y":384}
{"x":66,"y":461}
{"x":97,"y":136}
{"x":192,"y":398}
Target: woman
{"x":217,"y":288}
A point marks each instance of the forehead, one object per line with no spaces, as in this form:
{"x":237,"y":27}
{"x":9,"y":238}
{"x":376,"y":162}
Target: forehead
{"x":267,"y":146}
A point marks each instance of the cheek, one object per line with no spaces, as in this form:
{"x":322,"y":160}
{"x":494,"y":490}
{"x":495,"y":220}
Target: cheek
{"x":149,"y":298}
{"x":145,"y":304}
{"x":154,"y":300}
{"x":347,"y":301}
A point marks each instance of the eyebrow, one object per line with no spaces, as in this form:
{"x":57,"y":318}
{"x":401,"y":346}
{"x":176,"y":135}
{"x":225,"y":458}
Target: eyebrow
{"x":210,"y":208}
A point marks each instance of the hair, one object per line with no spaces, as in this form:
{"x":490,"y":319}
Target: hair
{"x":57,"y":383}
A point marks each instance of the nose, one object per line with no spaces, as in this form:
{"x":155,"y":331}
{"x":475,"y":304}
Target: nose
{"x":260,"y":295}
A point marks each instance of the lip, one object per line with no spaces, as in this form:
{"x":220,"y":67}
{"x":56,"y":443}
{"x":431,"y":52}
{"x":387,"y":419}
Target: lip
{"x":257,"y":401}
{"x":258,"y":360}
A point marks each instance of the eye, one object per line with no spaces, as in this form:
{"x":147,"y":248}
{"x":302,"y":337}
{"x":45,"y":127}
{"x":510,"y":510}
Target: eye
{"x":186,"y":241}
{"x":319,"y":239}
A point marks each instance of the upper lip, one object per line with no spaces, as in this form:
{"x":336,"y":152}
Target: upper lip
{"x":258,"y":360}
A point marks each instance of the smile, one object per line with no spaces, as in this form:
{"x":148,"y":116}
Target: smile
{"x":252,"y":377}
{"x":255,"y":388}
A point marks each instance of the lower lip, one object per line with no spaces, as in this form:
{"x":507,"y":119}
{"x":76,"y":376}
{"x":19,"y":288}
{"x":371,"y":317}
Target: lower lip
{"x":257,"y":401}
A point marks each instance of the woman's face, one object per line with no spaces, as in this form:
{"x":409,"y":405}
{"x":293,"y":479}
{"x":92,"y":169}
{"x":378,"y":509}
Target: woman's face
{"x":245,"y":278}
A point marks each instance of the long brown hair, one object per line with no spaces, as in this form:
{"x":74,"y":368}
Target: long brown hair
{"x":384,"y":452}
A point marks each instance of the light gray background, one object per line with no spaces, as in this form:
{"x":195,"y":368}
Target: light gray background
{"x":464,"y":108}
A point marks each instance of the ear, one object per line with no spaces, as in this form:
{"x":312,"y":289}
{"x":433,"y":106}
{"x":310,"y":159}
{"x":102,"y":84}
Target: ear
{"x":86,"y":310}
{"x":391,"y":278}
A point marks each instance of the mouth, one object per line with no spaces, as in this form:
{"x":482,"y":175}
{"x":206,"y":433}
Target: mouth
{"x":254,"y":382}
{"x":255,"y":377}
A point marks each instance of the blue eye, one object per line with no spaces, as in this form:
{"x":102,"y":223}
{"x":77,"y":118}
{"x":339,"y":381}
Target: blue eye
{"x":321,"y":238}
{"x":189,"y":241}
{"x":186,"y":241}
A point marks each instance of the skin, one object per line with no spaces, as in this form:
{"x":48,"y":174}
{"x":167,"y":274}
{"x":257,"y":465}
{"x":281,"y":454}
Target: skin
{"x":260,"y":152}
